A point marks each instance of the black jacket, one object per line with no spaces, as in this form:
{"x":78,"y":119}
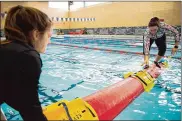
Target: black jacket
{"x":20,"y":69}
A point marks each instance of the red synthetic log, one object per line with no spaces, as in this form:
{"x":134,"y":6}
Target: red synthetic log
{"x":110,"y":101}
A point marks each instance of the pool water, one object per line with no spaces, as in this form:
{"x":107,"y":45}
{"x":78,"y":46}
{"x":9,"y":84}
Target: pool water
{"x":75,"y":72}
{"x":129,"y":45}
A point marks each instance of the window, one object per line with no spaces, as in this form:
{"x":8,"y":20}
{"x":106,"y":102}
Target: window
{"x":92,"y":3}
{"x":74,"y":19}
{"x":57,"y":18}
{"x":61,"y":19}
{"x":60,"y":5}
{"x":76,"y":6}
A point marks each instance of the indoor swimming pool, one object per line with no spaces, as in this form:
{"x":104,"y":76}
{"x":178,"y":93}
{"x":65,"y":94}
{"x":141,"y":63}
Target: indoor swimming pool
{"x":70,"y":72}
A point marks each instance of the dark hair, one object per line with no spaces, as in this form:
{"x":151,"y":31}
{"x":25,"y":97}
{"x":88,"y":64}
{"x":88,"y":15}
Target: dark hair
{"x":20,"y":21}
{"x":154,"y":22}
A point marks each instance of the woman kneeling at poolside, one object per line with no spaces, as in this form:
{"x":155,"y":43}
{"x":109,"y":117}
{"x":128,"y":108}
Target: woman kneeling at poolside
{"x":27,"y":31}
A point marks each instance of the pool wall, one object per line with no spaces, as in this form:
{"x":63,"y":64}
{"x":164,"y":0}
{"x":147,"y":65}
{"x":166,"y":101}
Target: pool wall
{"x":117,"y":30}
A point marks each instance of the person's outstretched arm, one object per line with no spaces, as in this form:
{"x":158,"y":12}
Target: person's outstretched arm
{"x":146,"y":45}
{"x":177,"y":36}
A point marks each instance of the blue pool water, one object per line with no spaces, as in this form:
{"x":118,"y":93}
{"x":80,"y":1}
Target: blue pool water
{"x":128,"y":45}
{"x":75,"y":72}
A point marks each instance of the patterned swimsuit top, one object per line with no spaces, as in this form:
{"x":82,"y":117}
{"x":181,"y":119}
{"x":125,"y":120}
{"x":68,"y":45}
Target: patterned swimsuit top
{"x":160,"y":32}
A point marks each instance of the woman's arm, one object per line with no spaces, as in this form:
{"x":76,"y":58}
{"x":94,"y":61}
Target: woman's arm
{"x":146,"y":40}
{"x":172,"y":29}
{"x":146,"y":51}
